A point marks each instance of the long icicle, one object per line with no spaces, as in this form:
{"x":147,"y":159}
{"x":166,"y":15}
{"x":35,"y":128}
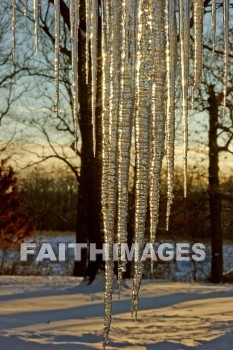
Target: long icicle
{"x":94,"y":37}
{"x":105,"y":55}
{"x":213,"y":30}
{"x":124,"y":130}
{"x":104,"y":179}
{"x":198,"y":15}
{"x":71,"y":19}
{"x":171,"y":85}
{"x":36,"y":24}
{"x":109,"y":130}
{"x":226,"y":48}
{"x":157,"y":138}
{"x":184,"y":53}
{"x":142,"y":145}
{"x":88,"y":24}
{"x":25,"y":13}
{"x":13,"y":29}
{"x":74,"y":8}
{"x":57,"y":51}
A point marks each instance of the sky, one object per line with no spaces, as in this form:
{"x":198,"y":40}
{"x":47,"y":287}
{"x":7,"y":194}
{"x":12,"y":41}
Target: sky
{"x":34,"y":106}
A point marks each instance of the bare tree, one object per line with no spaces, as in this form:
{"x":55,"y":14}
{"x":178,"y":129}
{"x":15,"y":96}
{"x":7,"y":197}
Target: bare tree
{"x":220,"y":137}
{"x":87,"y":168}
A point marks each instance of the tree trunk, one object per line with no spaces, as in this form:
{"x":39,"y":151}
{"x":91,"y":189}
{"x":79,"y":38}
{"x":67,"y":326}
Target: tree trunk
{"x":214,"y":191}
{"x":89,"y":216}
{"x":2,"y":261}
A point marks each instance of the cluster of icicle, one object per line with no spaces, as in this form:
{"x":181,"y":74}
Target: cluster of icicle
{"x":139,"y":50}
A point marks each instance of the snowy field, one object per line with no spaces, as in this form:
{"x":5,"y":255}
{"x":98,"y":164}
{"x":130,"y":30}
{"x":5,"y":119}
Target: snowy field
{"x":46,"y":313}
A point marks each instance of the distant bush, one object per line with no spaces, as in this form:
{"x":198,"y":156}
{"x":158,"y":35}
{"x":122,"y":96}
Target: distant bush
{"x":15,"y":222}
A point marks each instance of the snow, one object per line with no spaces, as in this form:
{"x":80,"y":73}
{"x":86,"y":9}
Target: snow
{"x":45,"y":312}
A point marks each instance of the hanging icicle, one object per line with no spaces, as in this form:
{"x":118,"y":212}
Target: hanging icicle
{"x":57,"y":51}
{"x":171,"y":85}
{"x":13,"y":29}
{"x":184,"y":53}
{"x":25,"y":12}
{"x":198,"y":15}
{"x":36,"y":23}
{"x":143,"y":108}
{"x":105,"y":53}
{"x":109,"y":127}
{"x":213,"y":29}
{"x":104,"y":179}
{"x":74,"y":9}
{"x":123,"y":145}
{"x":93,"y":39}
{"x":71,"y":19}
{"x":88,"y":26}
{"x":124,"y":128}
{"x":158,"y":118}
{"x":226,"y":47}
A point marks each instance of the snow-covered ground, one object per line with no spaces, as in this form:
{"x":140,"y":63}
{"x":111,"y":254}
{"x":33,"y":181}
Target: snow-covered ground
{"x":46,"y":313}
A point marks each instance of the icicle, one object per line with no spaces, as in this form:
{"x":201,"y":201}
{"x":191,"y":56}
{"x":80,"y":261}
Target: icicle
{"x":88,"y":23}
{"x":71,"y":19}
{"x":143,"y":107}
{"x":226,"y":47}
{"x":74,"y":27}
{"x":171,"y":83}
{"x":36,"y":23}
{"x":124,"y":129}
{"x":213,"y":29}
{"x":108,"y":178}
{"x":57,"y":51}
{"x":184,"y":48}
{"x":158,"y":118}
{"x":94,"y":38}
{"x":25,"y":12}
{"x":112,"y":60}
{"x":198,"y":13}
{"x":13,"y":29}
{"x":105,"y":103}
{"x":105,"y":54}
{"x":123,"y":148}
{"x":74,"y":56}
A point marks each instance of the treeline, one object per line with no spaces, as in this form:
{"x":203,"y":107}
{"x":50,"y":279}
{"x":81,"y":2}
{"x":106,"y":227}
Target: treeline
{"x":50,"y":200}
{"x":190,"y":217}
